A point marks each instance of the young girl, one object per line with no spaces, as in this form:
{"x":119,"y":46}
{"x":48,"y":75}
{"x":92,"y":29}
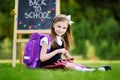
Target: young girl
{"x":61,"y":39}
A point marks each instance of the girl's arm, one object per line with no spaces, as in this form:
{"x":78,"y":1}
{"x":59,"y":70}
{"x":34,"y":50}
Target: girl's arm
{"x":44,"y":56}
{"x":67,"y":55}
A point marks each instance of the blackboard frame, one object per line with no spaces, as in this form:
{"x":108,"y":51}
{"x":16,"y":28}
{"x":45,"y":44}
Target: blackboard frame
{"x":17,"y":36}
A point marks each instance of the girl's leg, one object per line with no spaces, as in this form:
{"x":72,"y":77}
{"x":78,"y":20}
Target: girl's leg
{"x":70,"y":66}
{"x":73,"y":66}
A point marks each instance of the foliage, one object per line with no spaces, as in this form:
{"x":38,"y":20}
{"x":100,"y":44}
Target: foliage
{"x":96,"y":22}
{"x":96,"y":27}
{"x":5,"y":49}
{"x":6,"y":28}
{"x":6,"y":18}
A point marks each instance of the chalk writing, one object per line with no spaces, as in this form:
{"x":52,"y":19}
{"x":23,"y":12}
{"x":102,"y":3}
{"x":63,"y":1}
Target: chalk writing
{"x":37,"y":13}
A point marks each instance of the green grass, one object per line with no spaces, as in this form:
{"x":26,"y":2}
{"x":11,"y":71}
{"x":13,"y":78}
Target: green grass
{"x":21,"y":73}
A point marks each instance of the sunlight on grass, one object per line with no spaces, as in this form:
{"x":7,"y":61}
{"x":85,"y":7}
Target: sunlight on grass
{"x":20,"y":72}
{"x":8,"y":61}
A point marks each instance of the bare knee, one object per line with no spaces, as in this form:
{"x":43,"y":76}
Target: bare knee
{"x":70,"y":65}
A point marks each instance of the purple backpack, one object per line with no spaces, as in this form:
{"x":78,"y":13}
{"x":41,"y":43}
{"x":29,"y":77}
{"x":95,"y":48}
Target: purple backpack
{"x":32,"y":50}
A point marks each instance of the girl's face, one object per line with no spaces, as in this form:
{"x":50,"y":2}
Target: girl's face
{"x":60,"y":27}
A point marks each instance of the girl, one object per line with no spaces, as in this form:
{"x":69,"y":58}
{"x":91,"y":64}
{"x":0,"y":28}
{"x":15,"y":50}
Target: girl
{"x":61,"y":39}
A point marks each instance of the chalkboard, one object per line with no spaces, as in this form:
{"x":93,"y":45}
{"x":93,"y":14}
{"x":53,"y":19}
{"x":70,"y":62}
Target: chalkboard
{"x":35,"y":14}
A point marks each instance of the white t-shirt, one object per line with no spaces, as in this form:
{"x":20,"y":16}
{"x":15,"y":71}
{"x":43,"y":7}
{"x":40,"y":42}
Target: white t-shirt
{"x":45,"y":39}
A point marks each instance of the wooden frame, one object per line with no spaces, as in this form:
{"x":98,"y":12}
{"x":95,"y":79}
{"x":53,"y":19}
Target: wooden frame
{"x":17,"y":37}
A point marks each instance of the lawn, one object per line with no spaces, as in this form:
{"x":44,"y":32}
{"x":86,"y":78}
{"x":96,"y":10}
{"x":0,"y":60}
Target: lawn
{"x":21,"y":73}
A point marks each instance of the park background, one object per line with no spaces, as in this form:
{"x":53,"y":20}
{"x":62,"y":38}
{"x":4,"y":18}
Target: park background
{"x":96,"y":30}
{"x":96,"y":34}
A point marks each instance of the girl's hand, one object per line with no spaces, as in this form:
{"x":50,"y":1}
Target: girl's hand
{"x":71,"y":60}
{"x":63,"y":51}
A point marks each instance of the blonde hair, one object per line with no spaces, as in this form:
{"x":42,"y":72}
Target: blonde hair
{"x":67,"y":37}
